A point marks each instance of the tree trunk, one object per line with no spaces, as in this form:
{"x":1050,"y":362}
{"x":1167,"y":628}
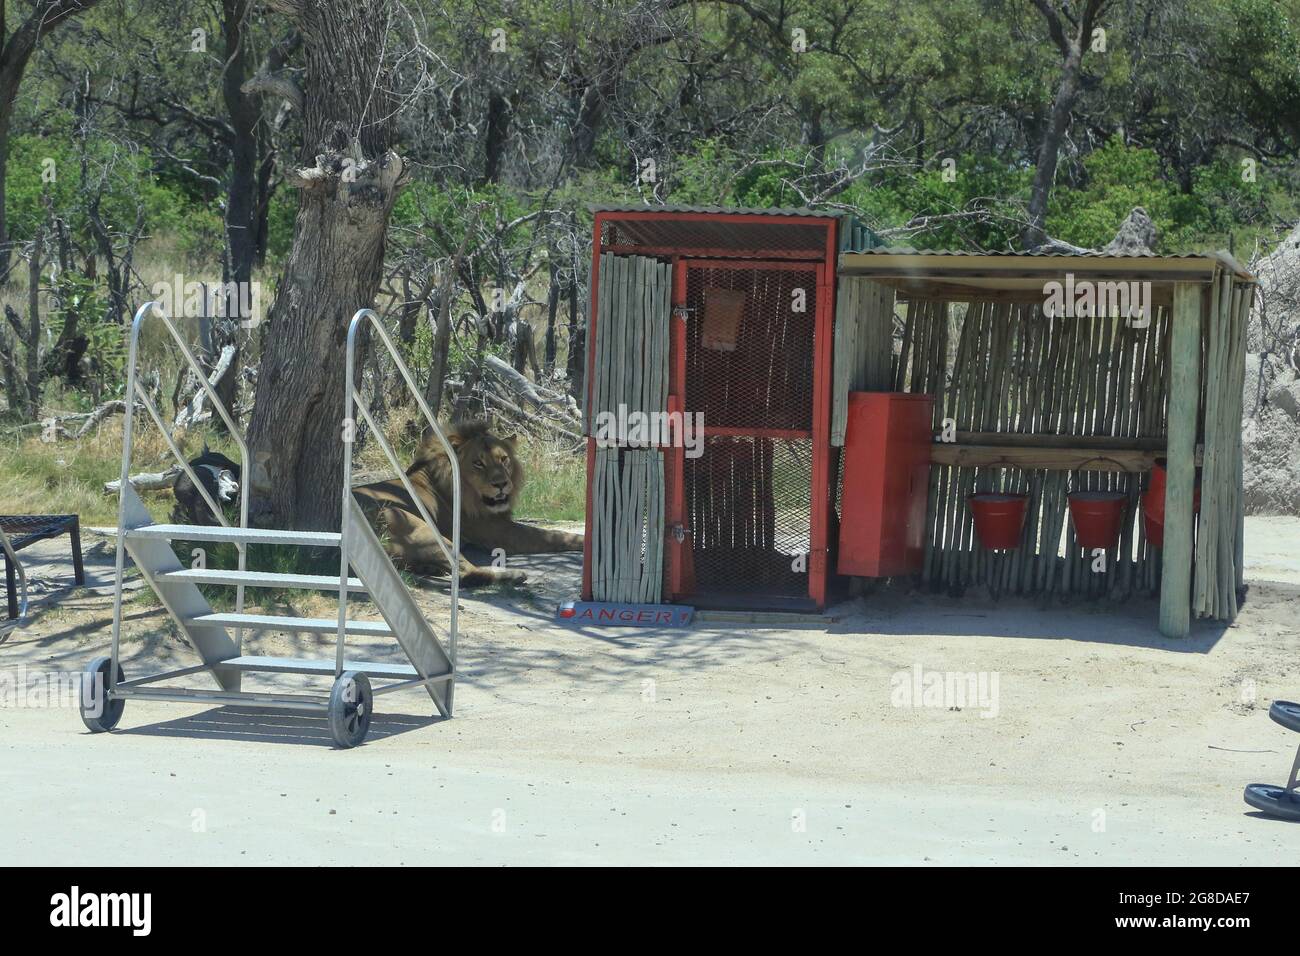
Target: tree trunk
{"x":14,"y":54}
{"x":1049,"y":152}
{"x":438,"y":359}
{"x":6,"y":114}
{"x":552,"y":306}
{"x":242,"y":108}
{"x":34,"y":327}
{"x":494,"y":143}
{"x":577,"y":359}
{"x":590,"y":113}
{"x":1071,"y":48}
{"x":276,"y":59}
{"x":241,"y":192}
{"x":349,"y":182}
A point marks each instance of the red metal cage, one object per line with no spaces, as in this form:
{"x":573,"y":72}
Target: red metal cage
{"x":747,"y":521}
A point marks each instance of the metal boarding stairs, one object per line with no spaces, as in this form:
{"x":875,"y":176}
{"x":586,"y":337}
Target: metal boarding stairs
{"x":218,"y":637}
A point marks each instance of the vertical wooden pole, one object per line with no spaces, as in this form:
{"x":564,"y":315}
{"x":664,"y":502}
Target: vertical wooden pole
{"x":1243,"y":320}
{"x":821,"y":493}
{"x":593,"y":280}
{"x":1184,"y":401}
{"x":677,"y":554}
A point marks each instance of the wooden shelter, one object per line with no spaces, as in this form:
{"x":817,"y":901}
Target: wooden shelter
{"x":1037,"y":402}
{"x":1048,"y":374}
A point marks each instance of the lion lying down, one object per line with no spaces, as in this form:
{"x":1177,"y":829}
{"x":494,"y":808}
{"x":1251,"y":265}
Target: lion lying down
{"x":490,"y":478}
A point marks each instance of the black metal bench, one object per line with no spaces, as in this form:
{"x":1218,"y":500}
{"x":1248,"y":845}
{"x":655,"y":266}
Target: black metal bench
{"x":28,"y":529}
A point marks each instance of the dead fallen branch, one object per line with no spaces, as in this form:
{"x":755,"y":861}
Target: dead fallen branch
{"x":542,"y":398}
{"x":193,"y":412}
{"x":146,"y":481}
{"x":527,"y":421}
{"x":99,"y":414}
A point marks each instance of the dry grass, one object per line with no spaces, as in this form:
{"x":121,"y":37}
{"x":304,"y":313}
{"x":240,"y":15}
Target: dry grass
{"x":557,"y":478}
{"x":68,"y":476}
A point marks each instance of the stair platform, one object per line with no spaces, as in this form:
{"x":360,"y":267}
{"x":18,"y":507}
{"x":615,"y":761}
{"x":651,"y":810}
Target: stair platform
{"x":261,"y":579}
{"x":202,"y":532}
{"x":295,"y":665}
{"x":276,"y":622}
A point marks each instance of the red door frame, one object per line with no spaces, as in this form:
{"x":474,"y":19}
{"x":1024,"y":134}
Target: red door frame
{"x":819,"y":485}
{"x":674,"y":458}
{"x":822,"y":377}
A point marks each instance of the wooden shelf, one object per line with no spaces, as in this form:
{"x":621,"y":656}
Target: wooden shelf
{"x":1108,"y":458}
{"x":1046,"y":440}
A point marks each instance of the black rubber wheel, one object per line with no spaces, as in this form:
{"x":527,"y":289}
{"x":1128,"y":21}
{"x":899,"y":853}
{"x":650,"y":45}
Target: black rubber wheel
{"x":1286,"y":713}
{"x":351,"y":707}
{"x":1275,"y":801}
{"x":97,"y":713}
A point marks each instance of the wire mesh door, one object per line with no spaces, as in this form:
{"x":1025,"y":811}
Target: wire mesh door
{"x":747,"y":366}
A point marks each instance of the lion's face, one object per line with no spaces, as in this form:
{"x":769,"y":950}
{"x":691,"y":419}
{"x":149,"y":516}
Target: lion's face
{"x":488,"y":471}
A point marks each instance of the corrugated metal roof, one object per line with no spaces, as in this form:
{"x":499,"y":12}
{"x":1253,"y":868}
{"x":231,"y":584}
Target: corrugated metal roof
{"x":857,"y":236}
{"x":712,"y":210}
{"x":854,"y":234}
{"x":1036,"y":253}
{"x":1222,"y":258}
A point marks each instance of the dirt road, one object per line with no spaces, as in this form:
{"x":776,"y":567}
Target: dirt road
{"x":1066,"y":735}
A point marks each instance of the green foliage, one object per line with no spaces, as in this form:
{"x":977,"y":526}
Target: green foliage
{"x":1119,"y":177}
{"x":1223,"y":203}
{"x":976,"y":203}
{"x":77,"y":298}
{"x":81,"y":298}
{"x":72,"y":172}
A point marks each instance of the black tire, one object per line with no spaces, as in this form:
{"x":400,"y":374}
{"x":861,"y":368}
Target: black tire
{"x":1286,"y":713}
{"x":1275,"y":801}
{"x":350,"y":709}
{"x":99,"y":715}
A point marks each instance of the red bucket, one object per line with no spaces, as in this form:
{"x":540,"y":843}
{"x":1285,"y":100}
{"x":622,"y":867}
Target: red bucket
{"x":998,"y":518}
{"x":1097,"y":517}
{"x":1153,"y":505}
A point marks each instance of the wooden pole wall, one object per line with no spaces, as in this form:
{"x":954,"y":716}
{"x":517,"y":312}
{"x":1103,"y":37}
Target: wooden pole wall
{"x":864,"y":346}
{"x":1180,"y":480}
{"x":1006,"y":368}
{"x":1014,"y":371}
{"x":629,"y":383}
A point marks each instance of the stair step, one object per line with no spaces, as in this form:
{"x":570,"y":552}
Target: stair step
{"x":199,"y":532}
{"x":295,"y":665}
{"x":276,"y":622}
{"x":261,"y":579}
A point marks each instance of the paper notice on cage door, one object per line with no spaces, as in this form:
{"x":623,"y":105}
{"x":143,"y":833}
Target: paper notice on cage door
{"x":723,"y":309}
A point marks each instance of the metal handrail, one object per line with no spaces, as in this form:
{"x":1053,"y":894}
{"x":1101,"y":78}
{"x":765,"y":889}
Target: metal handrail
{"x":135,"y":390}
{"x":352,"y":397}
{"x":8,"y":625}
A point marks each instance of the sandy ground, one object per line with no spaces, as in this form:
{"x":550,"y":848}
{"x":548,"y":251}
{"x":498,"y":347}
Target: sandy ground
{"x":1096,"y":741}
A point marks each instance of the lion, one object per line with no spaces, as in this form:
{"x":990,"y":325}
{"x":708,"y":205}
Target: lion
{"x":490,"y":478}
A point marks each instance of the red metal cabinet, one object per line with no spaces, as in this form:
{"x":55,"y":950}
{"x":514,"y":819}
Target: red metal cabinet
{"x":886,"y":481}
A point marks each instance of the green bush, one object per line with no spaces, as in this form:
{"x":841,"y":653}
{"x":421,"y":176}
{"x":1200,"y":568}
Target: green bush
{"x":51,"y":164}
